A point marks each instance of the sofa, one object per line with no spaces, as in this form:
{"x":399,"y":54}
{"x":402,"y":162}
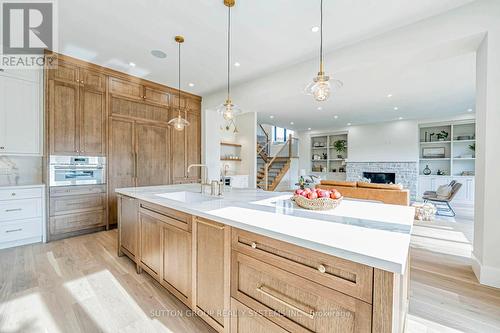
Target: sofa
{"x":393,"y":194}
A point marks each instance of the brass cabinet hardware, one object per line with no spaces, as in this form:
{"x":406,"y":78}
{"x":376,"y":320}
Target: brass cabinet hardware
{"x":268,"y":292}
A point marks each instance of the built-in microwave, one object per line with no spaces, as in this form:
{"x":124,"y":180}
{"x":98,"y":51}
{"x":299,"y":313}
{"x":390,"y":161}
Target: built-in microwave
{"x":77,"y":170}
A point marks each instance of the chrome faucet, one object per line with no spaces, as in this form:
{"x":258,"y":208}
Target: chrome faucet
{"x":204,"y":175}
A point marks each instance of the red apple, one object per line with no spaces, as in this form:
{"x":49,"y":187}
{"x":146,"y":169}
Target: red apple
{"x":337,"y":195}
{"x":307,"y":190}
{"x":323,"y":194}
{"x":312,"y":195}
{"x":299,"y":191}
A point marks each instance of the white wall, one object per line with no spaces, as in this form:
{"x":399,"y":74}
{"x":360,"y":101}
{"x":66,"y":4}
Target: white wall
{"x":386,"y":142}
{"x":247,"y":137}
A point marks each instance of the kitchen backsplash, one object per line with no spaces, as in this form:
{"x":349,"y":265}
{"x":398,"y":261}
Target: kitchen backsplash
{"x":20,"y":170}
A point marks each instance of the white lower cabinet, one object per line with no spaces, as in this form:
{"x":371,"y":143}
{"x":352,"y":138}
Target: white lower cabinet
{"x":22,"y":215}
{"x":431,"y":183}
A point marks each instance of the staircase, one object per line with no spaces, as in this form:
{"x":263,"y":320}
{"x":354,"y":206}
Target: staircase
{"x":277,"y":166}
{"x":277,"y":169}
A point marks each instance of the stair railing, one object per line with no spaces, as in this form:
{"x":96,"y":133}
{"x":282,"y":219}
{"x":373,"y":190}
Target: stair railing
{"x":264,"y":148}
{"x":287,"y":145}
{"x":267,"y":143}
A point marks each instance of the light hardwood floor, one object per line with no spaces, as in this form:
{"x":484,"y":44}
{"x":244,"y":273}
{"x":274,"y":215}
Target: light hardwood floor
{"x":80,"y":285}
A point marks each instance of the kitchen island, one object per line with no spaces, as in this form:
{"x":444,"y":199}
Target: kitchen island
{"x":253,"y":261}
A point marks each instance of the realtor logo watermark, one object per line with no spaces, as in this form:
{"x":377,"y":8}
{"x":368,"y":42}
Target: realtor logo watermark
{"x":27,"y":31}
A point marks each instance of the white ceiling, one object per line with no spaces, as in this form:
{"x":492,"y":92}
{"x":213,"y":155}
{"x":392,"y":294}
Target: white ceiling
{"x":267,"y":35}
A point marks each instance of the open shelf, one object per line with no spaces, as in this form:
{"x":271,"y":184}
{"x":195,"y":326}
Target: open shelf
{"x":433,"y":142}
{"x":230,"y":144}
{"x":231,"y":159}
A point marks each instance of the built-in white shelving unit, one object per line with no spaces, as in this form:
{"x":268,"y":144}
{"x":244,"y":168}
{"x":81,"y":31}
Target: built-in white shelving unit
{"x":325,"y":159}
{"x":458,"y":162}
{"x":458,"y":158}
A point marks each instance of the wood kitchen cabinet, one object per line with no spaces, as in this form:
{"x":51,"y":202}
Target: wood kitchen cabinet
{"x":128,"y":209}
{"x":77,"y":111}
{"x":138,"y":156}
{"x":150,"y":244}
{"x":212,"y":271}
{"x":186,"y":150}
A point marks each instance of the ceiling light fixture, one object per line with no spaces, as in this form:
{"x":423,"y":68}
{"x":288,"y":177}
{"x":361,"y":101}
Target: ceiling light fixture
{"x":237,"y":64}
{"x":469,"y":110}
{"x":309,"y":129}
{"x":272,"y":117}
{"x":179,"y":123}
{"x":349,"y":124}
{"x":292,"y":123}
{"x":315,"y":28}
{"x":321,"y":87}
{"x":159,"y":54}
{"x":396,"y":108}
{"x":228,"y":109}
{"x":320,"y":108}
{"x":335,"y":117}
{"x":131,"y":64}
{"x":191,"y":84}
{"x":400,"y":118}
{"x":389,"y":96}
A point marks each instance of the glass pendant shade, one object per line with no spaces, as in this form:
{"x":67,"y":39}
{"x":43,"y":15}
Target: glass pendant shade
{"x":322,"y":87}
{"x":178,"y":123}
{"x":228,"y":110}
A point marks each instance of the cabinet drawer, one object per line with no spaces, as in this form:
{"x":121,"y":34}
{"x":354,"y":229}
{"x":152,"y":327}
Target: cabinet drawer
{"x":346,"y":276}
{"x":294,"y":303}
{"x":77,"y":204}
{"x":245,"y":320}
{"x":166,"y":215}
{"x":126,"y":88}
{"x":75,"y":222}
{"x":20,"y":209}
{"x":26,"y":193}
{"x":13,"y":231}
{"x":76,"y":190}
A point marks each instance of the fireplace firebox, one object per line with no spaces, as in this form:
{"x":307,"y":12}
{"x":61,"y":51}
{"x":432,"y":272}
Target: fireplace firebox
{"x":380,"y":177}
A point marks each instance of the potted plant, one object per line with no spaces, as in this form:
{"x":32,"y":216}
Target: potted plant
{"x":341,"y":147}
{"x":473,"y":148}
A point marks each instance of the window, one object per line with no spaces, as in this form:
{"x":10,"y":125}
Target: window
{"x":281,"y":134}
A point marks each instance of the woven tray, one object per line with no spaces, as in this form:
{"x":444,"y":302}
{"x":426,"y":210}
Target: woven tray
{"x":316,"y":204}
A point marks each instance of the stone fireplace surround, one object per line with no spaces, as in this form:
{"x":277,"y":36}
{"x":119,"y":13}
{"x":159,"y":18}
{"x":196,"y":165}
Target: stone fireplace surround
{"x":406,"y":173}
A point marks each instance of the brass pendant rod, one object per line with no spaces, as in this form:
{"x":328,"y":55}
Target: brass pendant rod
{"x":179,"y":99}
{"x":229,"y":53}
{"x":321,"y":65}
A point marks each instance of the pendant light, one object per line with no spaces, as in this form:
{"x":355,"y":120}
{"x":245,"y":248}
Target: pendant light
{"x":179,"y":123}
{"x":321,"y":86}
{"x":228,"y":109}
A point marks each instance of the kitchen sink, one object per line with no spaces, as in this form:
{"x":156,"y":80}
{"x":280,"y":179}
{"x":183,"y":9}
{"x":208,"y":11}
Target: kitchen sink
{"x":187,"y":197}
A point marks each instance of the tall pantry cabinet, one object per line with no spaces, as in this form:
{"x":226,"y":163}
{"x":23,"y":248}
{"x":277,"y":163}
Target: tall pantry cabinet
{"x":96,"y":111}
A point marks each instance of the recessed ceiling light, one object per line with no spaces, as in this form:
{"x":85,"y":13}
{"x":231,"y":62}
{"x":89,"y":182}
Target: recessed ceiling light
{"x":400,"y":118}
{"x":159,"y":54}
{"x":396,"y":108}
{"x":272,"y":117}
{"x":320,"y":108}
{"x":292,"y":123}
{"x":309,"y":129}
{"x":191,"y":84}
{"x":237,"y":64}
{"x":315,"y":28}
{"x":131,"y":64}
{"x":389,"y":96}
{"x":469,"y":110}
{"x":349,"y":124}
{"x":335,"y":117}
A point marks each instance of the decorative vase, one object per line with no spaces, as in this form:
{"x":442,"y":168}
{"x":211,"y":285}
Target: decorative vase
{"x":427,"y":171}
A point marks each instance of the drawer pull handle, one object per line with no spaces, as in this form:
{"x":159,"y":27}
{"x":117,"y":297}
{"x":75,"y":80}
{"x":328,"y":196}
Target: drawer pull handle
{"x":13,"y":210}
{"x":268,"y":292}
{"x":14,"y":230}
{"x":321,"y":269}
{"x":253,"y":245}
{"x":13,"y":193}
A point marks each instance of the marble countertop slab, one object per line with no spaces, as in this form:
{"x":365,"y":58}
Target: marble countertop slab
{"x":369,"y":233}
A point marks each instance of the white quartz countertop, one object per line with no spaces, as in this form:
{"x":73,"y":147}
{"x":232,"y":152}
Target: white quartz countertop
{"x":21,"y":186}
{"x":369,"y":233}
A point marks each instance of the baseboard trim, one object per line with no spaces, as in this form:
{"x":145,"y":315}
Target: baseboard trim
{"x":487,"y":275}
